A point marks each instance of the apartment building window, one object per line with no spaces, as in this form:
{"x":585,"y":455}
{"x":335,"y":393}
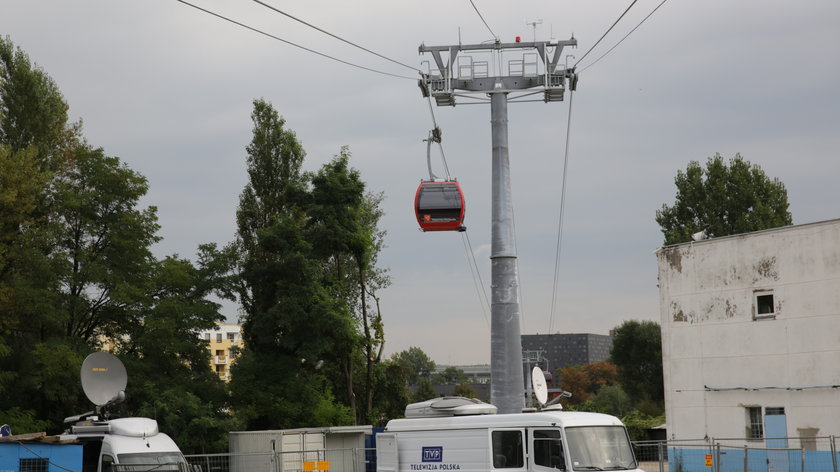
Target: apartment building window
{"x":206,"y":336}
{"x":765,"y":307}
{"x":231,"y":336}
{"x":219,"y":337}
{"x":755,"y":423}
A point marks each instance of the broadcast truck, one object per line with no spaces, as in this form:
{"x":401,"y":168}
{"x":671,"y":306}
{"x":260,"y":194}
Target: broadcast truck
{"x":466,"y":435}
{"x":117,"y":444}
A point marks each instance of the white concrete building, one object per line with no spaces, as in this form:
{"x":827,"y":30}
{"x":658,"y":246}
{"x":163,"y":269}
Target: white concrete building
{"x":751,"y":335}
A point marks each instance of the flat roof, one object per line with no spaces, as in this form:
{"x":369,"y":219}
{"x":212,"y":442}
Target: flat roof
{"x":513,"y":420}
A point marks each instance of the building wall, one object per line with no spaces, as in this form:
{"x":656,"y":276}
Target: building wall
{"x":219,"y":343}
{"x":721,"y":355}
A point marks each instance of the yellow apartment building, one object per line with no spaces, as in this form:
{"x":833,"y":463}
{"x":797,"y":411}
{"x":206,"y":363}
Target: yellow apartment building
{"x":224,"y":343}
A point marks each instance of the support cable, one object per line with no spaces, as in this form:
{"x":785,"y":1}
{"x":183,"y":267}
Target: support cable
{"x":562,"y":214}
{"x":217,"y":15}
{"x":440,"y":146}
{"x":336,"y":37}
{"x":606,"y":32}
{"x":625,"y":36}
{"x":476,"y":276}
{"x":482,"y":20}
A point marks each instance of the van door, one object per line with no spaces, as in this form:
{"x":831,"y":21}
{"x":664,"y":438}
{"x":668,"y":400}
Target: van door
{"x":546,"y":450}
{"x":508,"y":449}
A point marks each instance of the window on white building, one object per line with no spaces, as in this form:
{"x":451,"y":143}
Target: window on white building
{"x":219,"y":337}
{"x":755,"y":423}
{"x":231,"y":336}
{"x":765,"y":307}
{"x":206,"y":336}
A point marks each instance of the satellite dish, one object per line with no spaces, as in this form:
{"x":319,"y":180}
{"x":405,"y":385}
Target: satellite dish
{"x":540,"y":389}
{"x":103,"y":378}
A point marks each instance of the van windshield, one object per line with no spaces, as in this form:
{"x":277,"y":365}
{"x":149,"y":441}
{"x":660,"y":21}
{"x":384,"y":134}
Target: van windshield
{"x":599,"y":448}
{"x":148,"y":461}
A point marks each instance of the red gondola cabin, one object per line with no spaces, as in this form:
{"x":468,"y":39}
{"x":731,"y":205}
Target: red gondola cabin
{"x":439,"y":205}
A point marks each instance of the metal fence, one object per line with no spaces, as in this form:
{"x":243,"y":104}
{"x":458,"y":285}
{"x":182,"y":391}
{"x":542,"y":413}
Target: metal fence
{"x":321,"y":460}
{"x":812,"y":454}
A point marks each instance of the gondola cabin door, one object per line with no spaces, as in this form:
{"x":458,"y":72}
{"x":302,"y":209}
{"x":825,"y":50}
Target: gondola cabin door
{"x":439,"y":205}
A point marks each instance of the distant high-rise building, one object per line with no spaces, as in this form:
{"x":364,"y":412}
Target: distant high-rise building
{"x":562,"y":350}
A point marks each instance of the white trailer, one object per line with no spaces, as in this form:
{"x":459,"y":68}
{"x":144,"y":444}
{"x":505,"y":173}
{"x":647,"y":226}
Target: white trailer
{"x":459,"y":435}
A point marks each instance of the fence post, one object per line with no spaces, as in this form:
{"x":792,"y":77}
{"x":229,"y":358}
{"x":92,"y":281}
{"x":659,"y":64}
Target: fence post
{"x":833,"y":453}
{"x":802,"y":457}
{"x":746,"y":457}
{"x":717,"y":457}
{"x":659,"y":447}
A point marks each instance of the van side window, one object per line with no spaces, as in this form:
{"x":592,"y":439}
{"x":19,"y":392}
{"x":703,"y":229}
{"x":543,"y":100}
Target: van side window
{"x":548,"y":449}
{"x":107,"y":463}
{"x":507,"y":450}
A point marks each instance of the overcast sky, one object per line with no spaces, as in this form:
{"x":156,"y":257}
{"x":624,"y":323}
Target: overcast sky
{"x":169,"y":90}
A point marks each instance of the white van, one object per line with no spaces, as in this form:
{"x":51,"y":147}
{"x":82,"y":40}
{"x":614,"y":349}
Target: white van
{"x":125,"y":444}
{"x":466,"y":438}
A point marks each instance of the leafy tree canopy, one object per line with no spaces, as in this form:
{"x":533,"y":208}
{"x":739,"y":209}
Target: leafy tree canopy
{"x":425,"y":390}
{"x":637,"y":353}
{"x":449,"y":376}
{"x":416,"y":362}
{"x":723,"y":199}
{"x":77,"y":275}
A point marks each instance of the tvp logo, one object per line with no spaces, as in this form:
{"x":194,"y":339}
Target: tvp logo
{"x":433,"y":454}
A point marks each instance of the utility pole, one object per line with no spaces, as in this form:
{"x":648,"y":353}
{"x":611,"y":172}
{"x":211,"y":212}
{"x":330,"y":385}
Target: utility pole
{"x":535,"y":66}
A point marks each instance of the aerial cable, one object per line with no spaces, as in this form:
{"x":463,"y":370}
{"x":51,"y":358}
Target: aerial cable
{"x":483,"y":301}
{"x":482,"y":20}
{"x":336,"y":37}
{"x":560,"y":222}
{"x":293,"y":44}
{"x":625,"y":36}
{"x":440,"y":146}
{"x":606,"y":32}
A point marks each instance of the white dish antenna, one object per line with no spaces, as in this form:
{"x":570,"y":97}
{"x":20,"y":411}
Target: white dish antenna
{"x":103,"y":379}
{"x":540,"y":388}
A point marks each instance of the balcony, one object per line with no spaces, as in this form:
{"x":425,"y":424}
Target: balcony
{"x":220,"y":360}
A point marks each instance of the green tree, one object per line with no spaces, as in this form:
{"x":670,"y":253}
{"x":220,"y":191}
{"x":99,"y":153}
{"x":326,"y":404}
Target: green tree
{"x":77,"y":273}
{"x":33,"y":113}
{"x":611,"y":399}
{"x":416,"y":362}
{"x":391,"y":395}
{"x":425,"y":390}
{"x":464,"y":389}
{"x":161,"y":347}
{"x":342,"y":227}
{"x":637,"y":353}
{"x":449,"y":376}
{"x":292,"y":322}
{"x":722,"y":199}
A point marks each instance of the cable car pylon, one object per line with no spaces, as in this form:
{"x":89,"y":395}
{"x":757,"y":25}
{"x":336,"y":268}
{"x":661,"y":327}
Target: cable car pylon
{"x":439,"y":203}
